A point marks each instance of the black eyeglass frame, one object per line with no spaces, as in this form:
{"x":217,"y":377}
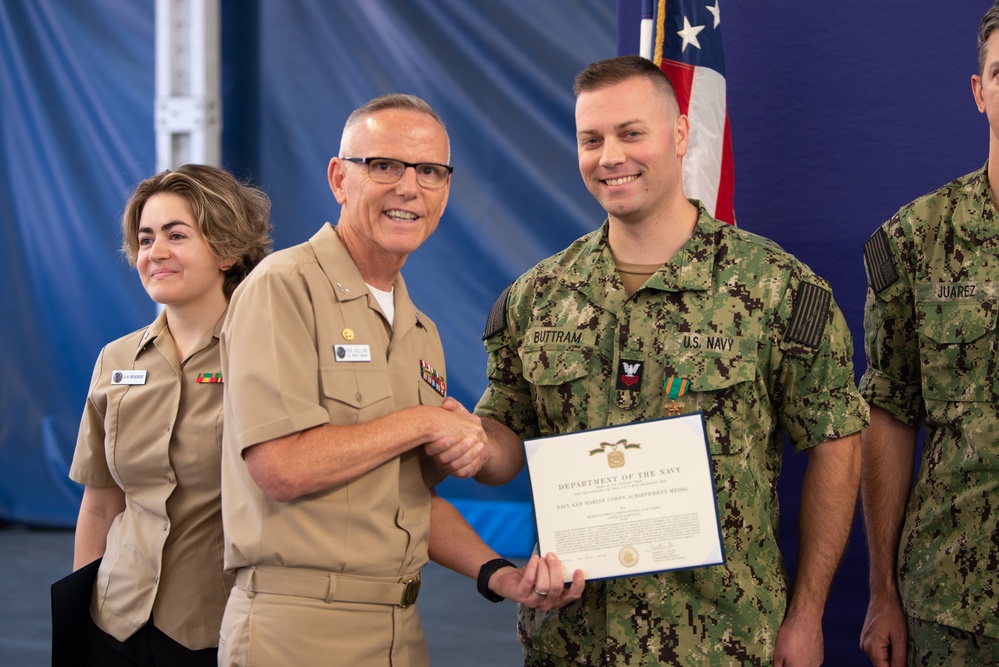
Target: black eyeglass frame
{"x":366,"y":161}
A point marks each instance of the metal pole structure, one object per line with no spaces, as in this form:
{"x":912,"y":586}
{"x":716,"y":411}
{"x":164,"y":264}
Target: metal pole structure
{"x":188,"y":101}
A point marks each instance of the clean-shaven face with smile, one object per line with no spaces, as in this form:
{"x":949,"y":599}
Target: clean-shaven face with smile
{"x":389,"y":220}
{"x":630,"y":141}
{"x":175,"y":263}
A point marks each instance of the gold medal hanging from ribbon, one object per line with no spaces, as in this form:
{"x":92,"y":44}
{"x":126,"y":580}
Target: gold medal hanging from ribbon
{"x":615,"y":456}
{"x":673,"y":389}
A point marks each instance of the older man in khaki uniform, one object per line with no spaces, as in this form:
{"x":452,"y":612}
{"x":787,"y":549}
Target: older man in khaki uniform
{"x":334,"y":383}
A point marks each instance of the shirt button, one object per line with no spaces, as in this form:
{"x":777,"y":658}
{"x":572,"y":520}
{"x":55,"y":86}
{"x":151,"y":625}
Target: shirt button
{"x":166,"y":526}
{"x":168,"y":427}
{"x":358,"y":397}
{"x":156,"y":580}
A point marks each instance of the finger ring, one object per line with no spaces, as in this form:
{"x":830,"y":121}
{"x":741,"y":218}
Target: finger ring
{"x":540,"y":593}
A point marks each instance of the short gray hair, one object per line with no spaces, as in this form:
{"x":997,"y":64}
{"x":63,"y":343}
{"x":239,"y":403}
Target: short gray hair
{"x":384,"y":103}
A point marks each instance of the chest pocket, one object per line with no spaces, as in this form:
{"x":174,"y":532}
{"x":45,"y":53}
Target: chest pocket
{"x":354,"y":395}
{"x":722,"y":387}
{"x":558,"y":378}
{"x":957,"y":349}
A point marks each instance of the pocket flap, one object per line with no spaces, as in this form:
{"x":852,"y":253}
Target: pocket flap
{"x":547,"y":367}
{"x":954,"y":322}
{"x":356,"y":387}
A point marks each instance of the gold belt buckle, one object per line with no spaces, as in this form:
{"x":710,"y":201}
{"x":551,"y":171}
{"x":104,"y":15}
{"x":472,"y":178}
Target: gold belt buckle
{"x":412,"y":591}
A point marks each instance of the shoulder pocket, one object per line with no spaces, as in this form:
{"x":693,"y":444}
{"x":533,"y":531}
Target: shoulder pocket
{"x":957,"y":349}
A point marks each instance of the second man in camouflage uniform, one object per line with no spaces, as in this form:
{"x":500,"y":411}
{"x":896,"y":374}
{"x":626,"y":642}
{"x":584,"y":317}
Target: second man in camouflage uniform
{"x":930,"y":326}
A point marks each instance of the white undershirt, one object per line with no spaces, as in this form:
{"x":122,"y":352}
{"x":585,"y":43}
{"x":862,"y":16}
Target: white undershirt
{"x":387,"y":302}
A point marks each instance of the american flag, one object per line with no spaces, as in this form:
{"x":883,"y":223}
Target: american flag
{"x":683,"y":37}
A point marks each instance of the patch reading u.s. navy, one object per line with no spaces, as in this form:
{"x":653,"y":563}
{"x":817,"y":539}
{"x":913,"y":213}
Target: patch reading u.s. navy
{"x":496,"y":321}
{"x":809,"y":315}
{"x":881,"y":271}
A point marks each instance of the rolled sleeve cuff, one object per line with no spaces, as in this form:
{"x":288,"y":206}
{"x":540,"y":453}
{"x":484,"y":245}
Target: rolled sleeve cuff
{"x":510,"y":409}
{"x":819,"y":418}
{"x":902,"y":401}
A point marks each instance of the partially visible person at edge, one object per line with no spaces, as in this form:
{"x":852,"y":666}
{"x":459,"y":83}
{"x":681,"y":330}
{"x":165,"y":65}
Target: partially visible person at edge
{"x":644,"y":293}
{"x":335,"y":383}
{"x":151,"y":435}
{"x":930,"y":334}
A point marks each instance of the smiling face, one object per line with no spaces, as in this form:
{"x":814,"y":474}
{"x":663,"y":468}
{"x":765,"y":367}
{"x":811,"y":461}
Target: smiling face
{"x":175,"y":263}
{"x":631,"y":140}
{"x":382,"y":223}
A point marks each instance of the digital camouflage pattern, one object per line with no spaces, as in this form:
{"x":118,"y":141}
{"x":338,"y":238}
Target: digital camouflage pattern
{"x":763,"y":346}
{"x":931,"y":347}
{"x":945,"y":646}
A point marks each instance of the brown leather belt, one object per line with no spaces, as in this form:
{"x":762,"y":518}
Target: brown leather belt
{"x":329,"y":586}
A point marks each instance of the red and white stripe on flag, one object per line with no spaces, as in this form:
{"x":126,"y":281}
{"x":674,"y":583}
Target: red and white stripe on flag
{"x":683,"y":37}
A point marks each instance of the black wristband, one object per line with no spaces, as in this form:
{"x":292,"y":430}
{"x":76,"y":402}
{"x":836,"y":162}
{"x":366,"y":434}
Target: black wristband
{"x":486,"y":571}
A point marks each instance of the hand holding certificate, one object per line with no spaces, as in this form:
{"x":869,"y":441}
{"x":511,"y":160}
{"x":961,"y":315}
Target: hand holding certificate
{"x":627,"y":500}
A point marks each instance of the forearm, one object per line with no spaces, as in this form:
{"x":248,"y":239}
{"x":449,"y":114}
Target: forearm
{"x":330,"y":455}
{"x":453,"y":542}
{"x":828,"y":502}
{"x":98,"y":510}
{"x":888,"y":455}
{"x":504,"y":457}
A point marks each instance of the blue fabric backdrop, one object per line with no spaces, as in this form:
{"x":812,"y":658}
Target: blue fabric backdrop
{"x":840,"y":113}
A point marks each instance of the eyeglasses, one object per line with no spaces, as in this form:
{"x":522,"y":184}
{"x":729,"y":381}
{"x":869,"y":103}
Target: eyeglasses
{"x":430,"y":175}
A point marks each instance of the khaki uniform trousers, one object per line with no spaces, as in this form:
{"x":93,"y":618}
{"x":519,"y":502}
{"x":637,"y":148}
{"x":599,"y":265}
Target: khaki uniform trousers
{"x":263,"y":627}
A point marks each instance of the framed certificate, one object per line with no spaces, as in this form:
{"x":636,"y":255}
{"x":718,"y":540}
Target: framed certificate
{"x":627,"y":500}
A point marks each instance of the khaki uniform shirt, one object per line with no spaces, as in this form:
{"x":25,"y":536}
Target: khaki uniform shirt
{"x":160,"y":441}
{"x":764,"y":348}
{"x":294,"y":326}
{"x":931,"y":331}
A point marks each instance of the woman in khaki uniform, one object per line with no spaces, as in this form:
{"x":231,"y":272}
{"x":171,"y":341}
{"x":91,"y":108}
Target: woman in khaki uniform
{"x":150,"y":439}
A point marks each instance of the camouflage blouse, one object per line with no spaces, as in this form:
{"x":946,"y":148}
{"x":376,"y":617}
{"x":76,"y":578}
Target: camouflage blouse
{"x":763,"y":347}
{"x":930,"y":333}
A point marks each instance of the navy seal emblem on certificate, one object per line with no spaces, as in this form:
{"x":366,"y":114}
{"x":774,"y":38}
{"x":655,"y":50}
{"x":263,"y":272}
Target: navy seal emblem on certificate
{"x":650,"y":512}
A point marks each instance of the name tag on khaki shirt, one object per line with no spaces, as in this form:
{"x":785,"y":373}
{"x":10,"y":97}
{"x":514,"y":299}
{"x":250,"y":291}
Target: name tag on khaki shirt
{"x":352,"y":352}
{"x":128,"y":377}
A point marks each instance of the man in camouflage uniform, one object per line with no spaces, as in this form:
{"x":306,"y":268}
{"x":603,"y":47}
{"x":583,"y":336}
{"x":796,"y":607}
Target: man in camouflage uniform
{"x":675,"y":294}
{"x":930,"y":328}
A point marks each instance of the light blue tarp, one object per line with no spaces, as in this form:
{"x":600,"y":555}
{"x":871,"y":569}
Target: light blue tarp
{"x":76,"y":91}
{"x":77,"y":94}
